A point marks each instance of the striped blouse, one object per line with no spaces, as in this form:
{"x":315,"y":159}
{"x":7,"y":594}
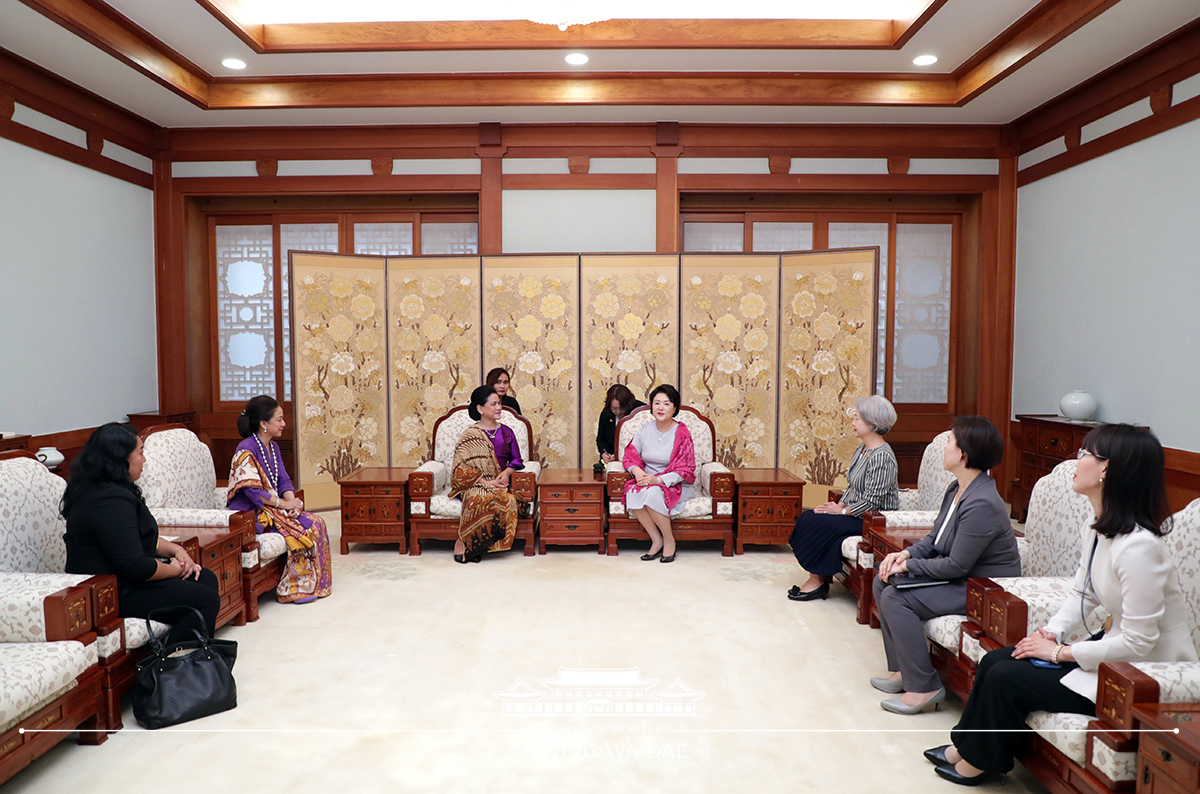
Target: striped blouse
{"x":872,"y":481}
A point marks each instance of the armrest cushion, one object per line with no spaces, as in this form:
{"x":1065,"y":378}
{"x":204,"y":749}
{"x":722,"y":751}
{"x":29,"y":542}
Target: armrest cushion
{"x":43,"y":607}
{"x":909,"y":518}
{"x":1178,"y":682}
{"x":187,"y":517}
{"x":441,"y":475}
{"x":704,"y":476}
{"x":1043,"y":595}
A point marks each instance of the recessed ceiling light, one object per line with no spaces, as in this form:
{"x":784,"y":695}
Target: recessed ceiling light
{"x":925,"y":60}
{"x":577,"y":59}
{"x":233,"y":63}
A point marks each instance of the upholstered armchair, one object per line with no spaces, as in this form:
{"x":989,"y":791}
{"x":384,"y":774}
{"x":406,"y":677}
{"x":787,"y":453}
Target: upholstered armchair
{"x":431,"y":511}
{"x":179,"y":484}
{"x":708,"y":515}
{"x":40,"y":603}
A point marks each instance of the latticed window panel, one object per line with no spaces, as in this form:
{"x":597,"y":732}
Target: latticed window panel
{"x":383,"y":239}
{"x":298,"y":237}
{"x":921,"y":369}
{"x":771,"y":236}
{"x":699,"y":238}
{"x":245,"y":311}
{"x":865,"y":235}
{"x":449,"y":238}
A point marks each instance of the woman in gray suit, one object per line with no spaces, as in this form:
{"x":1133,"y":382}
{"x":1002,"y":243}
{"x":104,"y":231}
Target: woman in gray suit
{"x":971,"y":536}
{"x":1126,"y":567}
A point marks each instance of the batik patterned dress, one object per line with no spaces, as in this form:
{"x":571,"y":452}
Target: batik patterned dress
{"x":489,"y":513}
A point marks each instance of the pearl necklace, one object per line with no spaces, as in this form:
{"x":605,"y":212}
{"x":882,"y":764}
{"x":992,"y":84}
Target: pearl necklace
{"x":270,"y":465}
{"x":663,"y":434}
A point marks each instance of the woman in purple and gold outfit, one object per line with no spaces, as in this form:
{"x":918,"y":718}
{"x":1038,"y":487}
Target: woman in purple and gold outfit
{"x":258,"y":482}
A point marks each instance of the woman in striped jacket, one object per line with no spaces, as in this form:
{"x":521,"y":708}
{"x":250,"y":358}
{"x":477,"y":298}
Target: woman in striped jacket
{"x":871,"y":485}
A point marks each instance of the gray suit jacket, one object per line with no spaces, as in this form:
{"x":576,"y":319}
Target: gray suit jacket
{"x":979,"y":541}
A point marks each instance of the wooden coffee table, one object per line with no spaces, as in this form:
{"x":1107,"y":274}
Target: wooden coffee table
{"x":375,"y":507}
{"x":570,"y":508}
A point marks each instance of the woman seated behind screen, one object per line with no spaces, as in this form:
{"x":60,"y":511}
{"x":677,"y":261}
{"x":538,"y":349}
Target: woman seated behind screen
{"x":110,"y":531}
{"x":662,"y":460}
{"x":618,"y":403}
{"x":259,"y":482}
{"x":500,"y":380}
{"x":1126,"y":567}
{"x":485,"y":458}
{"x":871,"y":485}
{"x":972,"y":537}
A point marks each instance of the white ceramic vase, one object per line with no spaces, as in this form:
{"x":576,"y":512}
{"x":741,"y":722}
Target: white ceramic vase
{"x":50,"y":457}
{"x":1078,"y":405}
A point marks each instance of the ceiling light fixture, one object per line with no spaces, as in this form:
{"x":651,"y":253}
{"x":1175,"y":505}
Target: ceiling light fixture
{"x":233,"y":63}
{"x":925,"y":60}
{"x":577,"y":59}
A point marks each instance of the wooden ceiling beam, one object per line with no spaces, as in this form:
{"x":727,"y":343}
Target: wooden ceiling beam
{"x":235,"y":16}
{"x":103,"y":26}
{"x":1039,"y":30}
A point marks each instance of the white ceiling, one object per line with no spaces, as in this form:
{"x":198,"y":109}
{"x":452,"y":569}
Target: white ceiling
{"x":957,"y":31}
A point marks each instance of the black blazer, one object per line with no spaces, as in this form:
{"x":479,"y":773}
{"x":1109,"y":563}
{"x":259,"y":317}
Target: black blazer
{"x":607,"y":431}
{"x":512,"y":403}
{"x":110,"y":530}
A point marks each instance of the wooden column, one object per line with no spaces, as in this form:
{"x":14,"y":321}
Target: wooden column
{"x":666,"y":153}
{"x":491,"y":195}
{"x":169,"y":286}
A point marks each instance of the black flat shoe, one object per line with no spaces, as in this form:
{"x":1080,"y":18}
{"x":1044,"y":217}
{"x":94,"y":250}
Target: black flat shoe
{"x":937,"y":756}
{"x":669,"y":559}
{"x":951,"y":774}
{"x":820,"y":594}
{"x":654,"y":556}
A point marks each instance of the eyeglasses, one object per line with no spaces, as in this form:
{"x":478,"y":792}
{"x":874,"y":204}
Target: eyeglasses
{"x":1079,"y":455}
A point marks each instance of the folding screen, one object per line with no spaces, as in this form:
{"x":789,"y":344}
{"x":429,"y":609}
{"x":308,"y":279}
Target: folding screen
{"x":339,"y":337}
{"x":435,"y":338}
{"x":729,"y":337}
{"x":531,"y":328}
{"x":827,"y":357}
{"x":629,"y":327}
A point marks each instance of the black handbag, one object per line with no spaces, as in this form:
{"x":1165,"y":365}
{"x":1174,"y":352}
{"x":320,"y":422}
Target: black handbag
{"x":185,"y":680}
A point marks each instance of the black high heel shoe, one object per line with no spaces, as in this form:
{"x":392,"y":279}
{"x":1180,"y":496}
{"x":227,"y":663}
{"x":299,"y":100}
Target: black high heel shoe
{"x":671,"y":558}
{"x":654,"y":556}
{"x":461,"y":558}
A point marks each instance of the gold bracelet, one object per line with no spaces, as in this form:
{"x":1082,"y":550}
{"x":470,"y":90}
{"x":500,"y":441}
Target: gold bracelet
{"x":1054,"y":656}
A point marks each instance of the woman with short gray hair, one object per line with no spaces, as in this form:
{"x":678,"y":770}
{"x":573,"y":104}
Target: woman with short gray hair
{"x":871,"y":485}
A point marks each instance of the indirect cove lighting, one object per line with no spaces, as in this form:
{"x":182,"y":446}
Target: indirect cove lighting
{"x":233,"y":63}
{"x":925,"y":60}
{"x":577,"y":59}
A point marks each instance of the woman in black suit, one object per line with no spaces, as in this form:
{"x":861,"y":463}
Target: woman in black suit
{"x":501,"y":381}
{"x":110,"y":531}
{"x":971,"y":536}
{"x":618,"y":403}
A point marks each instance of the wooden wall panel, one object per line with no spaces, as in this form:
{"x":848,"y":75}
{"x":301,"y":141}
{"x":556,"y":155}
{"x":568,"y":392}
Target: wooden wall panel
{"x":728,"y":343}
{"x":629,"y":327}
{"x":531,"y":328}
{"x":827,"y":334}
{"x":339,"y":337}
{"x":435,"y":338}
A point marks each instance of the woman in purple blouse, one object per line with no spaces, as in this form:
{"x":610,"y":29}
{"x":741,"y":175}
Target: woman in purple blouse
{"x":258,"y":482}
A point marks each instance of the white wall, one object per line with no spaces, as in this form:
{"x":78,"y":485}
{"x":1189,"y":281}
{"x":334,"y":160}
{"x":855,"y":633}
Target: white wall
{"x":578,"y":221}
{"x":77,"y":320}
{"x":1108,"y":287}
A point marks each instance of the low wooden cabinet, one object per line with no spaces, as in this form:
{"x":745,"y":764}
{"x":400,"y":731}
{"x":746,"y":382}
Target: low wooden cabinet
{"x":570,"y":508}
{"x":1168,"y":762}
{"x":375,"y":507}
{"x":768,"y":503}
{"x":1046,"y":441}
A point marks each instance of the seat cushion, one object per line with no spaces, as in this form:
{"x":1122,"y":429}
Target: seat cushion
{"x":270,"y":546}
{"x":33,"y":674}
{"x":850,"y":548}
{"x":946,"y":631}
{"x":444,"y":507}
{"x":1067,"y":732}
{"x":136,"y":635}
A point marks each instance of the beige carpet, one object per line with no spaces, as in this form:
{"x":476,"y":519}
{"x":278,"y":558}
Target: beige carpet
{"x":391,"y":685}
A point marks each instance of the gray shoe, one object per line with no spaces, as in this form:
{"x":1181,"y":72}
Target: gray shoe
{"x":897,"y":706}
{"x":888,"y":685}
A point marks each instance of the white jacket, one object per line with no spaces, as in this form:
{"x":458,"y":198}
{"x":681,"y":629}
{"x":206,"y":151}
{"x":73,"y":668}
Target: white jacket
{"x":1133,"y":577}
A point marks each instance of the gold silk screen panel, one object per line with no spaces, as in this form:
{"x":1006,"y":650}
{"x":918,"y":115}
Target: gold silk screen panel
{"x":435,"y":339}
{"x":629,"y":331}
{"x":531,"y":328}
{"x":728,"y":351}
{"x":339,"y":338}
{"x":827,"y":359}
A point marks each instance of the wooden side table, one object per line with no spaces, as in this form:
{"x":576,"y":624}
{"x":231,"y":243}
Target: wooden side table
{"x":768,"y":503}
{"x":220,"y":551}
{"x":1046,"y":441}
{"x":570,"y":508}
{"x":1169,"y":763}
{"x":375,"y":507}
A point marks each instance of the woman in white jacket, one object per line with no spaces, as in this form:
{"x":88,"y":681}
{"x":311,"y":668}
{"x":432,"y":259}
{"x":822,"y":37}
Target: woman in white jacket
{"x":1125,"y":567}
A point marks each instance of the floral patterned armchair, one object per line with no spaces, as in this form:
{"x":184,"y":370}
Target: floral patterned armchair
{"x":431,"y":511}
{"x":179,"y":484}
{"x":708,"y":515}
{"x":39,"y":603}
